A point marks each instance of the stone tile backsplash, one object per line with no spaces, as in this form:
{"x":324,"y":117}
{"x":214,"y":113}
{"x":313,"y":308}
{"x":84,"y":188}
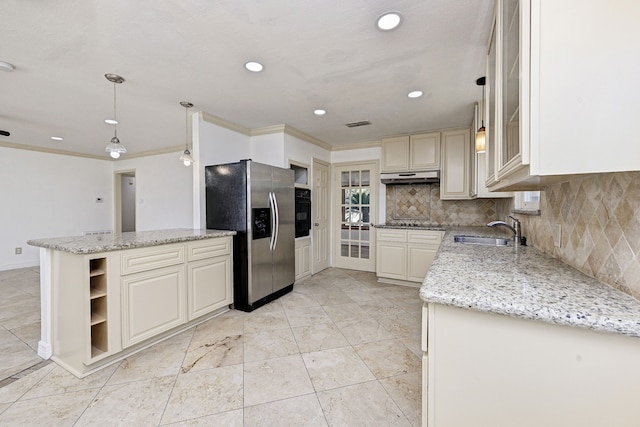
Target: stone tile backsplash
{"x":600,"y":220}
{"x":420,"y":203}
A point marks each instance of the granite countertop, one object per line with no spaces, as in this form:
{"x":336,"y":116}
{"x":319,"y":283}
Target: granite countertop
{"x":115,"y":242}
{"x":524,"y":282}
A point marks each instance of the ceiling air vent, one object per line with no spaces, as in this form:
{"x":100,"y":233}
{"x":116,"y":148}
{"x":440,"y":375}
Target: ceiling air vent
{"x":357,"y":124}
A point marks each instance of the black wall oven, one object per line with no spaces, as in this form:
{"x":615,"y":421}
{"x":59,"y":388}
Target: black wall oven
{"x":303,"y":211}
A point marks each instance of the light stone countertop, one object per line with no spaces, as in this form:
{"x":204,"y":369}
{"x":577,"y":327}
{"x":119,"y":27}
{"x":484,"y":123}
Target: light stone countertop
{"x":136,"y":239}
{"x":524,"y":282}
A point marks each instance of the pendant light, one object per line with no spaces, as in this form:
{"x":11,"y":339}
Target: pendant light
{"x":481,"y":134}
{"x":114,"y":148}
{"x":186,"y":157}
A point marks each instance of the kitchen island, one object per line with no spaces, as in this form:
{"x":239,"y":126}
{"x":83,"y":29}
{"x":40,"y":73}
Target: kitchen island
{"x":512,"y":336}
{"x":104,"y":297}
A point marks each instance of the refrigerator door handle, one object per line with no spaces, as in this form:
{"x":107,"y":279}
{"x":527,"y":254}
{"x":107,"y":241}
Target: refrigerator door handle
{"x":273,"y":221}
{"x":275,"y":239}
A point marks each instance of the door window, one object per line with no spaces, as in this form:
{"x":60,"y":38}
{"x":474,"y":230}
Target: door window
{"x":356,"y":213}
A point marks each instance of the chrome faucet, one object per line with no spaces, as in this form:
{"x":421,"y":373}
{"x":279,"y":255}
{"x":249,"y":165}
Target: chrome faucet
{"x":515,"y":229}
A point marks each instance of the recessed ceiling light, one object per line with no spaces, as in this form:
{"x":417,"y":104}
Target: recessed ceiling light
{"x":415,"y":94}
{"x":389,"y":21}
{"x":319,"y":112}
{"x":254,"y":66}
{"x":111,"y":121}
{"x":57,"y":138}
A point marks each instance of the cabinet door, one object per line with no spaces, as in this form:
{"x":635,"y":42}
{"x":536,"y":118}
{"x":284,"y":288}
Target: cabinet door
{"x":209,"y":285}
{"x":395,"y":154}
{"x":152,"y":302}
{"x":424,"y":151}
{"x":420,"y":259}
{"x":455,"y":181}
{"x":490,"y":109}
{"x":303,"y":258}
{"x":391,"y":260}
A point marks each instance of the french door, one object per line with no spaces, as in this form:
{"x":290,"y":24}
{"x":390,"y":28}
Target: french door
{"x":355,"y":207}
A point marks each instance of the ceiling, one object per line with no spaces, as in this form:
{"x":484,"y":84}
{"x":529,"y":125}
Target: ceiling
{"x":317,"y":54}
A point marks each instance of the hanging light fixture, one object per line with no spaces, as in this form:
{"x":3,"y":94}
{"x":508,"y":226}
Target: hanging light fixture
{"x":186,"y":157}
{"x":114,"y":148}
{"x":481,"y":134}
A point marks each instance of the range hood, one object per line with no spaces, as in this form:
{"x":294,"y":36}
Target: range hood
{"x":429,"y":177}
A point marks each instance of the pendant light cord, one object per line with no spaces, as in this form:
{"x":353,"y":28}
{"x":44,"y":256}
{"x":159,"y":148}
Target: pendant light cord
{"x":115,"y":117}
{"x":483,"y":104}
{"x":186,"y":127}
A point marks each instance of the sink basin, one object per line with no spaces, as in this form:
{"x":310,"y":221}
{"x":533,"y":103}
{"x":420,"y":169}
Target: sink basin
{"x":486,"y":241}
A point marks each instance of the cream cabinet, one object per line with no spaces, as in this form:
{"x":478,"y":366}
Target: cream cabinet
{"x":507,"y":371}
{"x":303,"y":258}
{"x":457,"y":180}
{"x":405,"y":256}
{"x":411,"y":152}
{"x":108,"y":305}
{"x":552,"y":118}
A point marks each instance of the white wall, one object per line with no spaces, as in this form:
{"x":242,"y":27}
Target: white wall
{"x":269,"y":149}
{"x":303,"y":151}
{"x":164,"y":191}
{"x":49,"y":195}
{"x":128,"y":203}
{"x":212,"y":145}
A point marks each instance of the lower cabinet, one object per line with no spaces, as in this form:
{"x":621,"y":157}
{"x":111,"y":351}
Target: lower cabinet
{"x":405,"y":255}
{"x":303,"y":258}
{"x":107,"y":305}
{"x":152,"y":302}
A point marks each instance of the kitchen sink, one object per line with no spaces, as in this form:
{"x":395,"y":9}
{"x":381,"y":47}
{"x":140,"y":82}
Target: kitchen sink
{"x":486,"y":241}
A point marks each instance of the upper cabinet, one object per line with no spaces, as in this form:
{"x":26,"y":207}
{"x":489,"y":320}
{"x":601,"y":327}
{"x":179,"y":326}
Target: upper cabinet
{"x":411,"y":152}
{"x":458,"y":171}
{"x":560,"y":80}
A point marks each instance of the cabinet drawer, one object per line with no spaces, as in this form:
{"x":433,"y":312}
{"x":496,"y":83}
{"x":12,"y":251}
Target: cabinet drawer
{"x":208,"y":248}
{"x":386,"y":235}
{"x":426,"y":237}
{"x":137,"y":260}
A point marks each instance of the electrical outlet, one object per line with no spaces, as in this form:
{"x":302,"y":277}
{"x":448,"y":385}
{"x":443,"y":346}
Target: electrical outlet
{"x":18,"y":251}
{"x":557,"y":235}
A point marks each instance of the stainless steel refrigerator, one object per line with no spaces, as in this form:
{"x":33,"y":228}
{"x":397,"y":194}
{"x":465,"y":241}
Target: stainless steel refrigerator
{"x":257,"y":201}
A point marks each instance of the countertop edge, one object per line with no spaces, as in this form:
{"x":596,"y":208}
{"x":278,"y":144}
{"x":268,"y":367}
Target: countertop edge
{"x":82,"y":245}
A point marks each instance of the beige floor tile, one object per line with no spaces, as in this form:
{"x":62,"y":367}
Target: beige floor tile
{"x":204,"y":393}
{"x":269,"y":345}
{"x":162,"y":359}
{"x":345,"y":312}
{"x":346,"y":406}
{"x":265,"y":321}
{"x":226,"y":419}
{"x":60,"y":381}
{"x":414,"y":344}
{"x":29,"y":334}
{"x":403,"y":324}
{"x":59,"y":410}
{"x":4,"y":406}
{"x":139,"y":403}
{"x":17,"y":389}
{"x":298,"y":300}
{"x":322,"y":336}
{"x":406,"y":391}
{"x":335,"y":368}
{"x":360,"y":295}
{"x":275,"y":379}
{"x":379,"y":307}
{"x":413,"y":303}
{"x":214,"y":353}
{"x":296,"y":411}
{"x":225,"y":325}
{"x":388,"y":358}
{"x":17,"y":360}
{"x":306,"y":316}
{"x":333,"y":298}
{"x":362,"y":331}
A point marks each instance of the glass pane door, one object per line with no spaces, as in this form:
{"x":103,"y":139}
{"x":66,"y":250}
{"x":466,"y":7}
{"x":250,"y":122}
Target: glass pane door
{"x":355,"y":190}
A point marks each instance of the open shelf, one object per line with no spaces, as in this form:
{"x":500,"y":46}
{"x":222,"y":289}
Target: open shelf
{"x":98,"y":306}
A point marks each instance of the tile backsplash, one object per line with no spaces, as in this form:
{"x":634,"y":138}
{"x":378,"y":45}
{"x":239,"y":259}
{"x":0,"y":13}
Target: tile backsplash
{"x":421,"y":203}
{"x":600,"y":220}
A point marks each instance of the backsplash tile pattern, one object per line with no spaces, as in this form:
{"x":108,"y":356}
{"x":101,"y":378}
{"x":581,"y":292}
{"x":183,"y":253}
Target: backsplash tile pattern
{"x":600,"y":220}
{"x":421,"y":203}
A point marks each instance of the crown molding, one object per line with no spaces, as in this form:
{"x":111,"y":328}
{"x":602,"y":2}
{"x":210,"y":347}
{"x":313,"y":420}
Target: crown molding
{"x":52,"y":151}
{"x":174,"y":149}
{"x":210,"y":118}
{"x":290,"y":130}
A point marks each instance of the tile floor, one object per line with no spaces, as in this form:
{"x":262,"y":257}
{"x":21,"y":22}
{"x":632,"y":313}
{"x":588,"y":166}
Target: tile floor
{"x":340,"y":350}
